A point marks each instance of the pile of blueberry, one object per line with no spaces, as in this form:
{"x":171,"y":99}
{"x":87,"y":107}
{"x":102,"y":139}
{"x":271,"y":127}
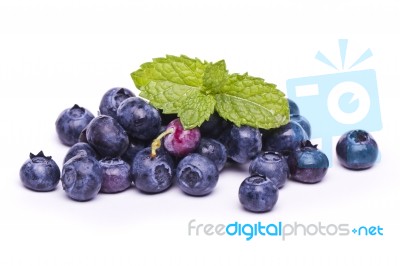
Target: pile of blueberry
{"x":133,"y":143}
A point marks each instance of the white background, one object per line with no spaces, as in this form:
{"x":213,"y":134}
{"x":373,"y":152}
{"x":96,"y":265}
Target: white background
{"x":54,"y":54}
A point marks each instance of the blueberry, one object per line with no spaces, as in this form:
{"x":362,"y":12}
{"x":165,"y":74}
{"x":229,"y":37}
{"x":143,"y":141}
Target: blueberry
{"x":152,"y":175}
{"x":115,"y":174}
{"x":213,"y":150}
{"x":181,"y":142}
{"x":140,"y":119}
{"x":258,"y":194}
{"x":40,"y":173}
{"x":196,"y":175}
{"x":293,"y":108}
{"x":308,"y":164}
{"x":74,"y":150}
{"x":135,"y":145}
{"x":213,"y":127}
{"x":242,"y":143}
{"x":107,"y":137}
{"x":357,"y":149}
{"x":303,"y":122}
{"x":272,"y":165}
{"x":285,"y":138}
{"x":81,"y":177}
{"x":112,"y":100}
{"x":71,"y":122}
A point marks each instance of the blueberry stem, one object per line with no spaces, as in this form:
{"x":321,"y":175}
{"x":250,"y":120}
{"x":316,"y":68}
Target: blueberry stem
{"x":156,"y":144}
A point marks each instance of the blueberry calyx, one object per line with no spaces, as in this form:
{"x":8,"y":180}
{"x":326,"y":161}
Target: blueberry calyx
{"x":359,"y":136}
{"x":256,"y":179}
{"x":308,"y":144}
{"x":77,"y":111}
{"x":39,"y":155}
{"x":122,"y":91}
{"x":272,"y":156}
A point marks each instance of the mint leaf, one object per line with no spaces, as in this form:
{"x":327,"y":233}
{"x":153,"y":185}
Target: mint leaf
{"x":166,"y":95}
{"x":173,"y":84}
{"x":196,"y":109}
{"x":166,"y":82}
{"x":246,"y":100}
{"x":180,"y":70}
{"x":194,"y":89}
{"x":215,"y":76}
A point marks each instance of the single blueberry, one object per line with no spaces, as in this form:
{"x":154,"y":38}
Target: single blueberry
{"x":107,"y":137}
{"x":74,"y":150}
{"x":112,"y":100}
{"x":214,"y":126}
{"x":116,"y":175}
{"x":152,"y":174}
{"x":213,"y":150}
{"x":140,"y":119}
{"x":81,"y":177}
{"x":272,"y":165}
{"x":196,"y":175}
{"x":242,"y":143}
{"x":303,"y":122}
{"x":258,"y":194}
{"x":293,"y":108}
{"x":308,"y":164}
{"x":40,"y":173}
{"x":357,"y":149}
{"x":71,"y":122}
{"x":284,"y":139}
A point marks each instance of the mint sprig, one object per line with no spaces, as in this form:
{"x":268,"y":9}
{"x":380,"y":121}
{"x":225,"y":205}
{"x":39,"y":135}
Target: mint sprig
{"x":215,"y":77}
{"x":194,"y":89}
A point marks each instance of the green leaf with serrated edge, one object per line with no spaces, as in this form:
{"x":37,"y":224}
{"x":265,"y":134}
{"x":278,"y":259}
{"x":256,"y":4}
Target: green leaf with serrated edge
{"x":215,"y":77}
{"x":196,"y":109}
{"x":246,"y":100}
{"x":194,"y":89}
{"x":166,"y":95}
{"x":180,"y":70}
